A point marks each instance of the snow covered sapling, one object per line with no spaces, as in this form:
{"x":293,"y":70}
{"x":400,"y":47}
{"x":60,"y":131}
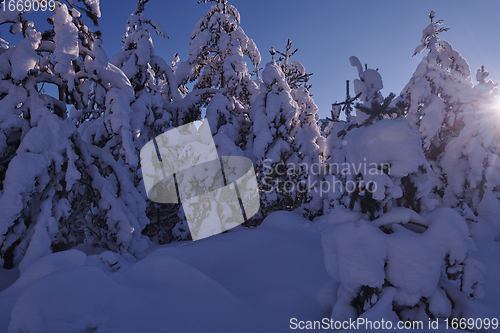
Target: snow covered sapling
{"x":217,"y":59}
{"x":403,"y":266}
{"x":368,"y":87}
{"x":109,"y":127}
{"x":216,"y":54}
{"x":334,"y":133}
{"x":377,"y":164}
{"x":156,"y":106}
{"x":435,"y":92}
{"x":153,"y":81}
{"x":275,"y":123}
{"x":382,"y":166}
{"x":308,"y":147}
{"x":344,"y":108}
{"x":457,"y":123}
{"x":120,"y":127}
{"x":373,"y":105}
{"x":308,"y":143}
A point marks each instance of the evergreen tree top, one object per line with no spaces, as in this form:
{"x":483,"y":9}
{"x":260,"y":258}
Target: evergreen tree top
{"x":441,"y":56}
{"x":221,"y":7}
{"x":430,"y":35}
{"x":137,"y":22}
{"x":294,"y":71}
{"x":217,"y":50}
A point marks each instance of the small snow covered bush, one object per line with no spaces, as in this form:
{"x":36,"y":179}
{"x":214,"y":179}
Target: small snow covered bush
{"x":402,"y":265}
{"x":376,"y":161}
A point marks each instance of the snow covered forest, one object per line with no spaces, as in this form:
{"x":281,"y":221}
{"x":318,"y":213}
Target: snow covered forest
{"x":389,"y":209}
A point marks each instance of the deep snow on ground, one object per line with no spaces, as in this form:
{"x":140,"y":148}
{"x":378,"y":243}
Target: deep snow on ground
{"x":247,"y":280}
{"x":243,"y":281}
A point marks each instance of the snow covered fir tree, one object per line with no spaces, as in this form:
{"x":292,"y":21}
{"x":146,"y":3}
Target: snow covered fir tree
{"x":389,"y":214}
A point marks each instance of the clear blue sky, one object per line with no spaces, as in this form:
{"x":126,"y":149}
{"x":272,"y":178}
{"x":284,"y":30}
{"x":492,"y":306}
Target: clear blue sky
{"x":383,"y":34}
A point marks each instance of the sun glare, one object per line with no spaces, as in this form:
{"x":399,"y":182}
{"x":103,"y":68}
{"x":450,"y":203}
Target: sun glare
{"x":496,"y":104}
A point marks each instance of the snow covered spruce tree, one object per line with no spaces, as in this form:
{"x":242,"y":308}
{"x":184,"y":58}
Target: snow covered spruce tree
{"x":59,"y":191}
{"x":374,"y":163}
{"x":334,"y":132}
{"x":471,"y":162}
{"x":156,"y":107}
{"x":442,"y":103}
{"x":151,"y":78}
{"x":436,"y":96}
{"x":216,"y":64}
{"x":275,"y":123}
{"x":308,"y":143}
{"x":411,"y":260}
{"x":373,"y":106}
{"x":118,"y":207}
{"x":333,"y":156}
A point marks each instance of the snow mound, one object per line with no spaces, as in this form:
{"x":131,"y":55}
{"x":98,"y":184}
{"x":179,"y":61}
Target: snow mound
{"x":250,"y":280}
